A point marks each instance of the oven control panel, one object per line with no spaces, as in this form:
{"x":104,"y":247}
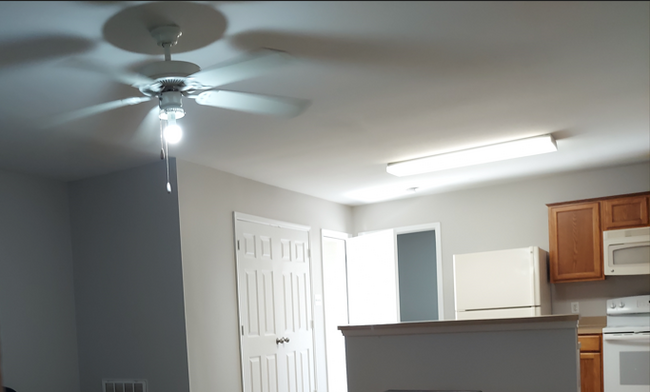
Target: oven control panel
{"x":628,"y":305}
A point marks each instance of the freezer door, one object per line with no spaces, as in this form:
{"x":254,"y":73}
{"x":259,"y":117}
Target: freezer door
{"x":496,"y":279}
{"x":498,"y":313}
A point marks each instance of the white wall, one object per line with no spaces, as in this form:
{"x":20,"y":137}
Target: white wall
{"x":128,"y":279}
{"x":509,"y":216}
{"x":37,"y":313}
{"x":207,"y":200}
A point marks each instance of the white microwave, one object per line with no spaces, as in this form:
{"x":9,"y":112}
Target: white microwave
{"x":627,"y":251}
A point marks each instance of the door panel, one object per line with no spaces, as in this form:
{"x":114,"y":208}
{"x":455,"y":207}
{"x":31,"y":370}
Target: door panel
{"x":372,"y":279}
{"x":275,"y":303}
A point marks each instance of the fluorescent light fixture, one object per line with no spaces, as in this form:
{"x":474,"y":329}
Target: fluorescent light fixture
{"x":475,"y":156}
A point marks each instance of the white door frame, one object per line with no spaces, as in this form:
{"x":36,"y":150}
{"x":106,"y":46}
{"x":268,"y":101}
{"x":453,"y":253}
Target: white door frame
{"x":239,"y":216}
{"x":267,"y":221}
{"x":337,"y":235}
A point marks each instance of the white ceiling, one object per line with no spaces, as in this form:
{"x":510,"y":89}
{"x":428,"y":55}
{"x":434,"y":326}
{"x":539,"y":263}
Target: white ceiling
{"x":387,"y":81}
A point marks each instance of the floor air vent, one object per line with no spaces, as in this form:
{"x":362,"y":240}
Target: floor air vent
{"x":125,"y":385}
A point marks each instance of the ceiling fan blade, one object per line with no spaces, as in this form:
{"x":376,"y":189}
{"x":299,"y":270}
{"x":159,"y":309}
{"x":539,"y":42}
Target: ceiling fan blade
{"x":246,"y":67}
{"x":123,"y":76}
{"x":91,"y":110}
{"x":253,"y":103}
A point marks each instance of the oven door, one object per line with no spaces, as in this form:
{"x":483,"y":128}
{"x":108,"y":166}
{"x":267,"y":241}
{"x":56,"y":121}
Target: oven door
{"x":626,"y":360}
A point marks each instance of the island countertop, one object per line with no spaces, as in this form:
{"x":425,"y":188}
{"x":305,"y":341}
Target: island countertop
{"x":532,"y":354}
{"x":448,"y":326}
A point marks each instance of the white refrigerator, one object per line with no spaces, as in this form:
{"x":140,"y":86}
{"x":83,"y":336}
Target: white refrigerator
{"x":502,"y":284}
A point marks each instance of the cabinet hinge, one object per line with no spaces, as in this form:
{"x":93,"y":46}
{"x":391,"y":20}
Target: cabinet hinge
{"x":237,"y":244}
{"x":242,"y":330}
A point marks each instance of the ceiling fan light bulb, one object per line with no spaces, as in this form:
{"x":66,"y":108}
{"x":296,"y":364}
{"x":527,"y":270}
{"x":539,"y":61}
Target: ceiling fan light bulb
{"x":173,"y":133}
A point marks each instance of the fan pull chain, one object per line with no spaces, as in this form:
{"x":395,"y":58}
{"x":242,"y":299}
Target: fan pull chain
{"x":169,"y":185}
{"x":164,"y":154}
{"x":162,"y":140}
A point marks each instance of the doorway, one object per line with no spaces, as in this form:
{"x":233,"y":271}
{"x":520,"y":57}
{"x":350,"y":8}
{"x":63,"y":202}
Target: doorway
{"x":417,"y":268}
{"x":402,"y":266}
{"x":335,"y":303}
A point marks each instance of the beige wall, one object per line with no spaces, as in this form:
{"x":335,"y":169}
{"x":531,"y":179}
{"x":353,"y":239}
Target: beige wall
{"x":509,"y":216}
{"x":207,"y":200}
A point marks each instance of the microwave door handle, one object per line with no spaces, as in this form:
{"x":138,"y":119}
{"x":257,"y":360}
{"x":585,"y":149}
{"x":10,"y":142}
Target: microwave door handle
{"x":617,"y":245}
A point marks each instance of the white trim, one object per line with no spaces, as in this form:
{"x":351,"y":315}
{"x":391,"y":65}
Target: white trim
{"x":312,"y":300}
{"x":417,"y":228}
{"x":396,"y":258}
{"x":334,"y":234}
{"x":271,"y":222}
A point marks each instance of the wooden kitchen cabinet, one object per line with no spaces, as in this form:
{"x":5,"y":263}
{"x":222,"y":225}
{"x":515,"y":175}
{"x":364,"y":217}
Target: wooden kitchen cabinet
{"x":624,"y":212}
{"x":576,"y":233}
{"x":591,"y":363}
{"x":575,"y":242}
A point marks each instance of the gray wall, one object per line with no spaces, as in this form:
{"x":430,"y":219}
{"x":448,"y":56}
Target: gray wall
{"x":533,"y":358}
{"x":128,"y":279}
{"x":509,"y":216}
{"x":37,"y":313}
{"x":418,"y":291}
{"x":207,"y":200}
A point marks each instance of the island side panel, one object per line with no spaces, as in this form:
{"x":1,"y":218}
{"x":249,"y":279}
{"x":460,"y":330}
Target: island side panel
{"x":498,"y":361}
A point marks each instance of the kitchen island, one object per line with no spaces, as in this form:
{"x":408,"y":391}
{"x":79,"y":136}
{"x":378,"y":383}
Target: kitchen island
{"x":526,"y":354}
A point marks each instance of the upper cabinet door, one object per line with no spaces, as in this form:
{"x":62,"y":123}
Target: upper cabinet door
{"x":575,"y":242}
{"x":624,"y":212}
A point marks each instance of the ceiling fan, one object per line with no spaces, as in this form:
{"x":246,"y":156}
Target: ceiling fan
{"x":170,"y":81}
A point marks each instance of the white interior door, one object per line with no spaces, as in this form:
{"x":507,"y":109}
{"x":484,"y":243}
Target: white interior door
{"x":274,"y":308}
{"x":373,"y":293}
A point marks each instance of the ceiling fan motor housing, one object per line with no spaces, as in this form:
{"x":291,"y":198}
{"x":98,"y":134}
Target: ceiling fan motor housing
{"x":171,"y":68}
{"x":170,"y":101}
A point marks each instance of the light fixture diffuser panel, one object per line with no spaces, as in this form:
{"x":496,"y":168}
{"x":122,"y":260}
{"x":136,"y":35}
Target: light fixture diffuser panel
{"x":475,"y":156}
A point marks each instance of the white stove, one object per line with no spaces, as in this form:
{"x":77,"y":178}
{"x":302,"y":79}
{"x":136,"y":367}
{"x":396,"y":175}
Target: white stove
{"x":626,"y":345}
